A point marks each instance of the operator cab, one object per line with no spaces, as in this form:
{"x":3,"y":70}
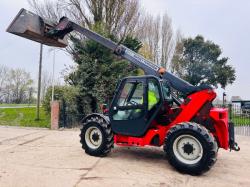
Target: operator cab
{"x":137,"y":102}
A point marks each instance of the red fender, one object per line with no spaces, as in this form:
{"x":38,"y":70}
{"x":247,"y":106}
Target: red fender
{"x":220,"y":116}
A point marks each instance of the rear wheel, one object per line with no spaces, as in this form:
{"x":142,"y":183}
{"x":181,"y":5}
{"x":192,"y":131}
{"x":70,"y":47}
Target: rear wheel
{"x":190,"y":148}
{"x":96,"y":136}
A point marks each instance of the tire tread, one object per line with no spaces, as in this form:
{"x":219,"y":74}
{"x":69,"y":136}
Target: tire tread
{"x":209,"y":139}
{"x":108,"y":135}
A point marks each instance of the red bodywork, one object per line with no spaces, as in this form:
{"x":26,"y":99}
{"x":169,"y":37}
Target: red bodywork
{"x":189,"y":108}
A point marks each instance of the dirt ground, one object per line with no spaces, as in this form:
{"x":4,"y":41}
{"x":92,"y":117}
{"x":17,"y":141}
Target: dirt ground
{"x":40,"y":157}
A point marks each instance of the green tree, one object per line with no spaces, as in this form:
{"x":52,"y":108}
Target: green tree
{"x":98,"y":72}
{"x":200,"y":62}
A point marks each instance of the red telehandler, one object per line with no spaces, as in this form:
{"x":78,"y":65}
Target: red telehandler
{"x":145,"y":110}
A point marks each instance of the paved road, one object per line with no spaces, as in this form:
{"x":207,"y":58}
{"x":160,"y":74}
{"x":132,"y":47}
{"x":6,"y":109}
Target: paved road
{"x":40,"y":157}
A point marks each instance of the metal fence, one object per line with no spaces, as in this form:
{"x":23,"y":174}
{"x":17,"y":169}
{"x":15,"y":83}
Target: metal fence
{"x":70,"y":120}
{"x":241,"y":119}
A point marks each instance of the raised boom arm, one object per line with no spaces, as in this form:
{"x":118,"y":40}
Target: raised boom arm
{"x":65,"y":26}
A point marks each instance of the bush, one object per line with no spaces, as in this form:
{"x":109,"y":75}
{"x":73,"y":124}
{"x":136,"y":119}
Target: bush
{"x":66,"y":95}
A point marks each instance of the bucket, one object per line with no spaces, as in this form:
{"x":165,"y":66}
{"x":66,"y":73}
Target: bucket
{"x":31,"y":26}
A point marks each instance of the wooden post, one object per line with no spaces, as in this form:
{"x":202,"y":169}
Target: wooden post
{"x":55,"y":115}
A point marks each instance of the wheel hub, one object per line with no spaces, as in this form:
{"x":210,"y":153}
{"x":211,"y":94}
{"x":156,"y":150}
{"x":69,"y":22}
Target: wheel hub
{"x":188,"y":148}
{"x":93,"y":137}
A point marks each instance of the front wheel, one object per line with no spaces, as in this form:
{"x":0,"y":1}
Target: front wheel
{"x":190,"y":148}
{"x":96,"y":136}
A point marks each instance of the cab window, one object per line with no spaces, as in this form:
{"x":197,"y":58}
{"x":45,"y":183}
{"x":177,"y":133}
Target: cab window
{"x":153,"y":93}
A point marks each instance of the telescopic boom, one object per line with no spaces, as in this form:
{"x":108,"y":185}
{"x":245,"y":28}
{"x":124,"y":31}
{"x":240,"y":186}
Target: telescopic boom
{"x":66,"y":26}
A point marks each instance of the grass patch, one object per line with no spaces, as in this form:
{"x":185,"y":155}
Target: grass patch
{"x":241,"y":120}
{"x":17,"y":105}
{"x":23,"y":117}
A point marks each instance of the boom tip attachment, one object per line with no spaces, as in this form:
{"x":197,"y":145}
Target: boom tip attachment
{"x":31,"y":26}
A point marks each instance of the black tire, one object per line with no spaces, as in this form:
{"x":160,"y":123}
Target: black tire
{"x":207,"y":143}
{"x":107,"y":140}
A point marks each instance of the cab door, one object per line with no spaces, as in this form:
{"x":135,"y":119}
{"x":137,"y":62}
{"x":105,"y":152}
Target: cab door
{"x":130,"y":112}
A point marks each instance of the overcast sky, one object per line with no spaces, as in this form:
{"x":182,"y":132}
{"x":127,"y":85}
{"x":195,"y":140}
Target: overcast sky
{"x":225,"y":22}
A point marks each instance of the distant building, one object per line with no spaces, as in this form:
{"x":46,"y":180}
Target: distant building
{"x":235,"y":99}
{"x":243,"y":105}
